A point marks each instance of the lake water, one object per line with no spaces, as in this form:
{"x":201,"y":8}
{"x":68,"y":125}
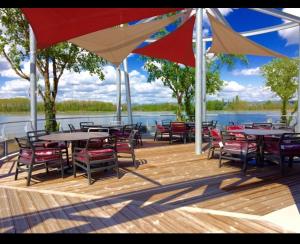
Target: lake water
{"x":147,"y":118}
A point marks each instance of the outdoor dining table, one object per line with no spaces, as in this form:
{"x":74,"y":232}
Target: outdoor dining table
{"x":260,"y":133}
{"x":73,"y":137}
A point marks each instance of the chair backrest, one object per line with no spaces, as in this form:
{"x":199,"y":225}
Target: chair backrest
{"x":98,"y":129}
{"x":166,"y":122}
{"x":215,"y":134}
{"x":229,"y":137}
{"x":267,"y":126}
{"x":23,"y":142}
{"x":33,"y":136}
{"x":82,"y":124}
{"x":72,"y":127}
{"x":178,"y":127}
{"x":132,"y":137}
{"x":128,"y":128}
{"x":101,"y":143}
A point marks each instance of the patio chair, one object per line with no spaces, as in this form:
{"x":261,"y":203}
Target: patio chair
{"x":266,"y":126}
{"x":34,"y":135}
{"x":205,"y":128}
{"x":178,"y":129}
{"x":214,"y":142}
{"x":280,"y":148}
{"x":83,"y":124}
{"x":127,"y":147}
{"x":161,"y":131}
{"x":239,"y":136}
{"x":125,"y":131}
{"x":93,"y":159}
{"x":166,"y":123}
{"x":232,"y":148}
{"x":31,"y":158}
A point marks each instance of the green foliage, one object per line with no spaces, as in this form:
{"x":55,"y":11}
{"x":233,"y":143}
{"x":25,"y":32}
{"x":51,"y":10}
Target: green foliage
{"x":52,"y":62}
{"x":155,"y":107}
{"x":281,"y":76}
{"x":215,"y":105}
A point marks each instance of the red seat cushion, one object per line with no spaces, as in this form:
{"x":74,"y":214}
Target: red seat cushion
{"x":123,"y":148}
{"x":41,"y":156}
{"x":162,"y":129}
{"x":237,"y":147}
{"x":98,"y":154}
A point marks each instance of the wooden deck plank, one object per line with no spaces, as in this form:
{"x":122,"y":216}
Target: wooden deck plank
{"x":150,"y":197}
{"x":6,"y":222}
{"x":18,"y":215}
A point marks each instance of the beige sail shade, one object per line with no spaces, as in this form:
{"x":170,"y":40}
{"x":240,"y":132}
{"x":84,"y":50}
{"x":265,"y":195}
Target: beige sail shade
{"x":116,"y":43}
{"x":225,"y":40}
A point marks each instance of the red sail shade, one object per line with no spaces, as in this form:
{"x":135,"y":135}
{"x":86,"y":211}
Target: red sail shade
{"x":176,"y":46}
{"x":54,"y":25}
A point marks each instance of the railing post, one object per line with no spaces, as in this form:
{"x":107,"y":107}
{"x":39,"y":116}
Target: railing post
{"x":33,"y":85}
{"x":128,"y":94}
{"x":199,"y":76}
{"x":204,"y":82}
{"x":118,"y":76}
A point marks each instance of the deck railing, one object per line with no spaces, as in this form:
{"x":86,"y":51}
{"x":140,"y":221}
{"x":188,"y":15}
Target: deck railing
{"x":10,"y":130}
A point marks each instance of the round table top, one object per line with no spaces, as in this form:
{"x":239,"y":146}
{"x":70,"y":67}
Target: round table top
{"x":74,"y":136}
{"x":260,"y":132}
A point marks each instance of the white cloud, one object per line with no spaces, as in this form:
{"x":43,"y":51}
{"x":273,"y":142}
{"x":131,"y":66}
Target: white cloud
{"x":291,"y":35}
{"x":249,"y":92}
{"x":224,"y":12}
{"x":247,"y":72}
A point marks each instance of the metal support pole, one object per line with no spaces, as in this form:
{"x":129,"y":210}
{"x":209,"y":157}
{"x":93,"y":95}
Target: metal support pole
{"x":204,"y":82}
{"x":127,"y":88}
{"x":199,"y":76}
{"x":119,"y":104}
{"x":33,"y":82}
{"x":298,"y":111}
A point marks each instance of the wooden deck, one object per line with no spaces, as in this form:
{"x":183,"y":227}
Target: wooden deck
{"x":172,"y":190}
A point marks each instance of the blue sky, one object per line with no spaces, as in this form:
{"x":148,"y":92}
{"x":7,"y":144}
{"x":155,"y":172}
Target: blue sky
{"x":242,"y":80}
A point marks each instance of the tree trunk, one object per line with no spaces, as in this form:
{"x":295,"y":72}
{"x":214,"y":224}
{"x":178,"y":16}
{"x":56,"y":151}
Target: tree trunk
{"x":284,"y":110}
{"x":179,"y":115}
{"x":50,"y":116}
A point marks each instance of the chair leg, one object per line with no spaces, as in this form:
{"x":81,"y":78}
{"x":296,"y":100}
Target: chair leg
{"x":245,"y":164}
{"x":89,"y":174}
{"x":67,"y":155}
{"x":220,"y":159}
{"x":47,"y":169}
{"x":282,"y":165}
{"x":291,"y":161}
{"x":208,"y":154}
{"x":133,"y":160}
{"x":17,"y":170}
{"x":29,"y":175}
{"x":74,"y":169}
{"x":62,"y":168}
{"x":213,"y":152}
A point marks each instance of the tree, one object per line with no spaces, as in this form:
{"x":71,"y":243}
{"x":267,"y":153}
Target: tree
{"x":281,"y":76}
{"x":51,"y":62}
{"x":181,"y":79}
